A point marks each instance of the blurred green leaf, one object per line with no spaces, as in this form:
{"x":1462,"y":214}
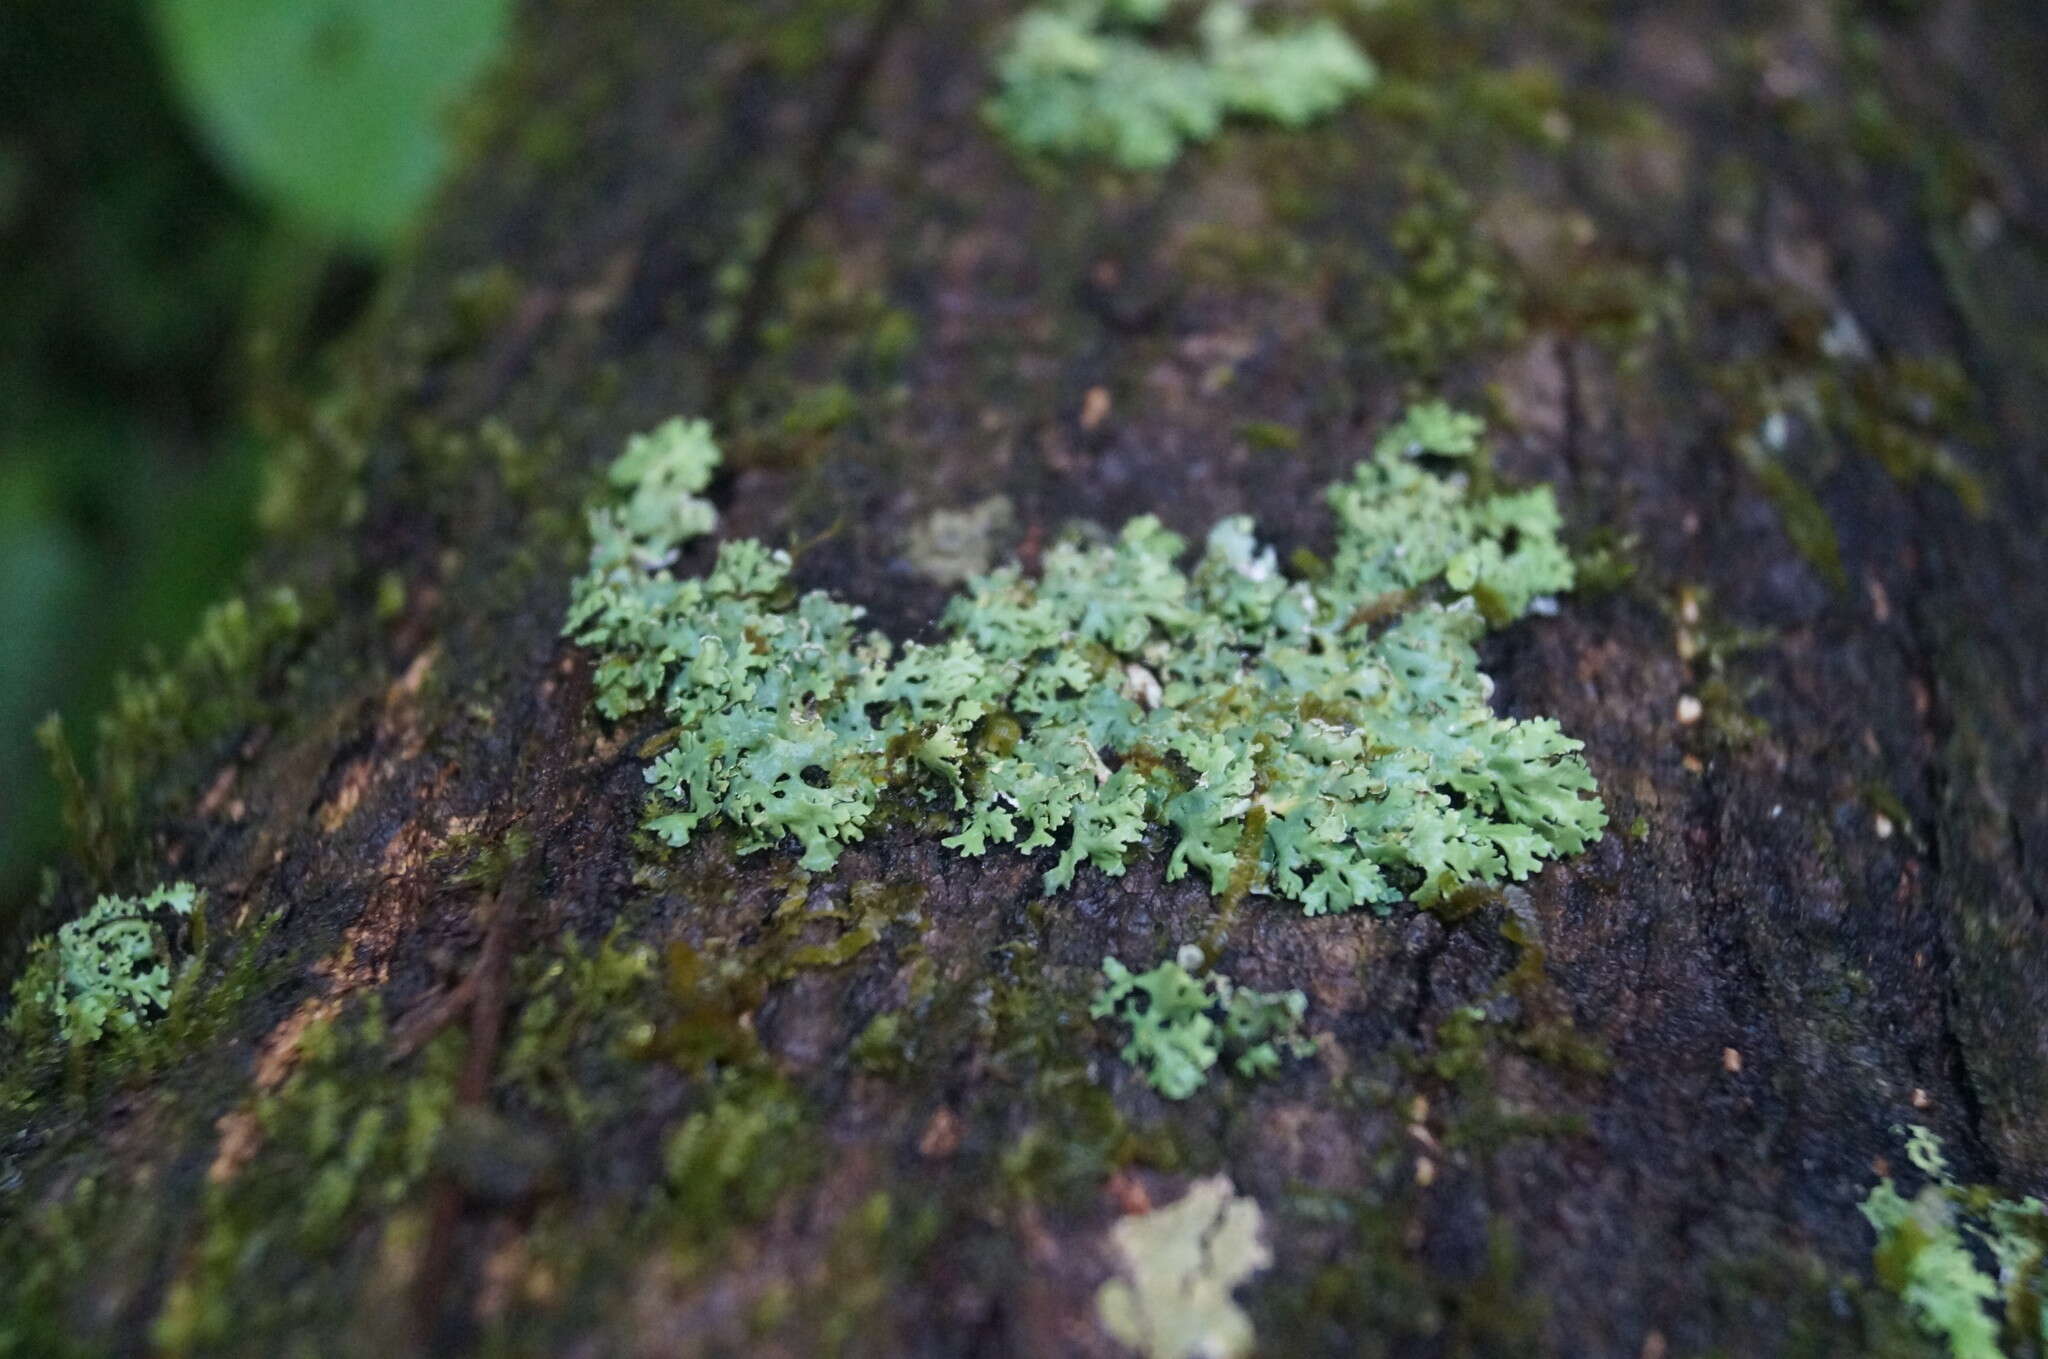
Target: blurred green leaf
{"x":331,"y":109}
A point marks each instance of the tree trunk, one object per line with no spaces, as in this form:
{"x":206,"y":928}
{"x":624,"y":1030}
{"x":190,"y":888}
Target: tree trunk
{"x":1755,"y":286}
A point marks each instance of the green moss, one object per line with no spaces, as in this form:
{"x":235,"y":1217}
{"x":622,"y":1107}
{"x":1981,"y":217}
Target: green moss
{"x":1069,"y":1136}
{"x":579,"y":1003}
{"x":347,"y":1139}
{"x":1375,"y":1296}
{"x":883,"y":1047}
{"x":43,"y":1252}
{"x":819,"y":410}
{"x":1714,"y":647}
{"x":729,"y":1162}
{"x":1819,"y":1312}
{"x":1270,"y":436}
{"x":877,"y":1248}
{"x":479,"y":302}
{"x":789,"y":39}
{"x":1547,"y":1031}
{"x":1899,"y":411}
{"x":1452,"y":296}
{"x":1606,"y":561}
{"x":1141,"y":696}
{"x":167,"y":711}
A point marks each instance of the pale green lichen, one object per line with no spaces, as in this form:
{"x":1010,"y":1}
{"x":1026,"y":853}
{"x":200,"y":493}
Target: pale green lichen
{"x":1181,"y":1023}
{"x":107,"y":971}
{"x":1088,"y":77}
{"x":1328,"y":741}
{"x":1179,"y":1266}
{"x":954,"y":546}
{"x":1932,"y":1249}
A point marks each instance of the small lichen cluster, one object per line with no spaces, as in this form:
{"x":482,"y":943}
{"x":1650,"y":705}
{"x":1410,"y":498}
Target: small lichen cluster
{"x":1932,"y":1249}
{"x":107,"y":971}
{"x":1328,"y":741}
{"x":1178,"y":1267}
{"x":1088,"y":77}
{"x":1181,"y":1023}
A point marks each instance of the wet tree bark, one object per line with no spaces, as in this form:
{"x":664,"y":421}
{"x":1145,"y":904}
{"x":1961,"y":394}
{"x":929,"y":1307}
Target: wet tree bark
{"x":1756,"y":286}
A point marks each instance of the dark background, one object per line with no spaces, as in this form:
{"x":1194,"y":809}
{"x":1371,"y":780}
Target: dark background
{"x":161,"y":284}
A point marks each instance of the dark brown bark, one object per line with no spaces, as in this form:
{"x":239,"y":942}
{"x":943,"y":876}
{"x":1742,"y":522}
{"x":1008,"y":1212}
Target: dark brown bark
{"x":1818,"y":915}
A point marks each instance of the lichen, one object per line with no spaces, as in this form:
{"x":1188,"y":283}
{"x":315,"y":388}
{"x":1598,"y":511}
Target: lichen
{"x":1089,"y":78}
{"x":1181,"y":1023}
{"x":1932,"y":1249}
{"x":954,"y":546}
{"x":1344,"y":719}
{"x":1179,"y":1266}
{"x":107,"y":971}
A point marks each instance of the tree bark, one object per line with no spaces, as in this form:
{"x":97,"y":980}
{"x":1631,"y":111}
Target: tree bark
{"x":1739,"y":280}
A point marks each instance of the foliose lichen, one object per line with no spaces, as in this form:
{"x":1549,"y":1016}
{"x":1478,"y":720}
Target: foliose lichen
{"x":1181,"y":1023}
{"x":1179,"y":1266}
{"x":1932,"y":1249}
{"x":1328,"y":741}
{"x":107,"y":971}
{"x":1089,"y":78}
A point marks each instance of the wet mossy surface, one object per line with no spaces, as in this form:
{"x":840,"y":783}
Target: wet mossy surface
{"x":657,"y":1101}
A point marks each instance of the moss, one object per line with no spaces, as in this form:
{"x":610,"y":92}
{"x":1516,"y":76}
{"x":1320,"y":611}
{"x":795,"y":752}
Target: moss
{"x":347,"y":1139}
{"x":479,"y":302}
{"x":1800,"y":512}
{"x":582,"y":1006}
{"x":1799,"y":417}
{"x":43,"y":1253}
{"x":390,"y":597}
{"x":818,"y":410}
{"x":1547,"y":1031}
{"x":790,"y":39}
{"x":711,"y":991}
{"x":884,"y":1047}
{"x":1451,"y":298}
{"x":172,"y":710}
{"x":1713,"y":648}
{"x":1069,"y":1133}
{"x":481,"y":860}
{"x":1376,"y":1296}
{"x":1606,"y":560}
{"x":1618,"y":304}
{"x":1900,"y":411}
{"x":317,"y":447}
{"x":1270,"y":436}
{"x":1525,"y":1015}
{"x":1238,"y":257}
{"x":1817,"y":1311}
{"x":729,"y":1162}
{"x":877,"y":1248}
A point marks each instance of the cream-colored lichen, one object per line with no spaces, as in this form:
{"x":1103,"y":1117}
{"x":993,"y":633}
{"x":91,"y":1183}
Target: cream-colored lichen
{"x":952,"y":547}
{"x":1179,"y":1266}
